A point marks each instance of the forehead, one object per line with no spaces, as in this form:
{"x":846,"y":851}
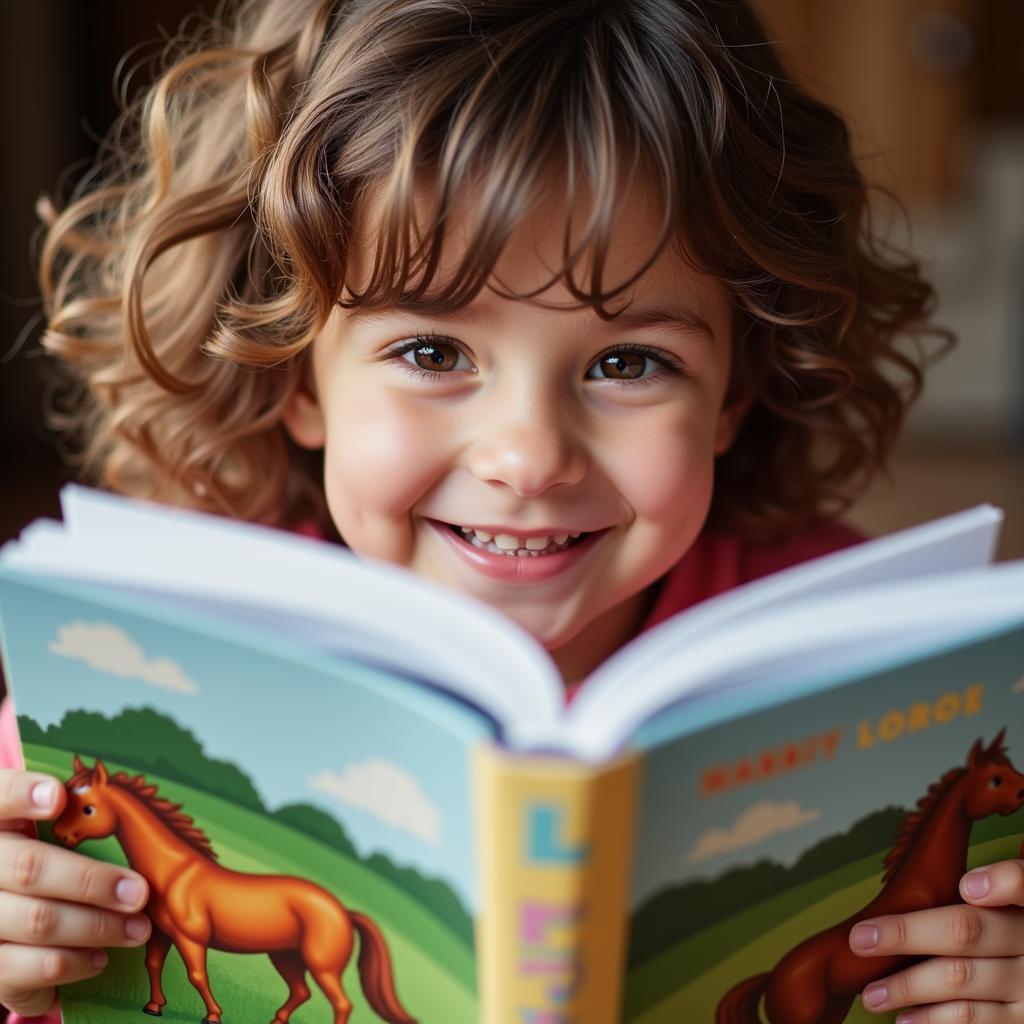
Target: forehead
{"x":553,"y":237}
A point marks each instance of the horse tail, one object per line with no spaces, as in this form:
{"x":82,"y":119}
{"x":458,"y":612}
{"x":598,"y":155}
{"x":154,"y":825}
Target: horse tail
{"x":375,"y":973}
{"x":739,"y":1004}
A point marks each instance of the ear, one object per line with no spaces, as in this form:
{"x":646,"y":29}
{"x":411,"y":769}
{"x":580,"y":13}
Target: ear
{"x":303,"y":417}
{"x":730,"y":419}
{"x":99,"y":773}
{"x":975,"y":754}
{"x":78,"y":765}
{"x":996,"y":746}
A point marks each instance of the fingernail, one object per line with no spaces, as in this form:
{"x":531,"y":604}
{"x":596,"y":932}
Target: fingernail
{"x":874,"y":996}
{"x":129,"y":891}
{"x":905,"y":1018}
{"x":136,"y":928}
{"x":976,"y":884}
{"x":864,"y":936}
{"x":44,"y":795}
{"x":99,"y":960}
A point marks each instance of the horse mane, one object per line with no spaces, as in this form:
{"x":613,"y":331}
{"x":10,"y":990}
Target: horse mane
{"x":914,"y":822}
{"x":170,"y":814}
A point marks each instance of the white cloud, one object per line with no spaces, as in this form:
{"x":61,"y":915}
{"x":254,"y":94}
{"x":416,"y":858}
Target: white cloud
{"x":756,"y":823}
{"x":110,"y":649}
{"x":387,"y":792}
{"x":1018,"y":687}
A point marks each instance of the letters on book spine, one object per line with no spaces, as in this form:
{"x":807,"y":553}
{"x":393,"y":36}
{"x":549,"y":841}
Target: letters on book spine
{"x":554,"y":840}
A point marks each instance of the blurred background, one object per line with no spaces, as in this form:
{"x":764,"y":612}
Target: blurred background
{"x":934,"y":91}
{"x":933,"y":88}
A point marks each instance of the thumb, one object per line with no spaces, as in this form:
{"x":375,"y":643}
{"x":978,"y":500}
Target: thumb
{"x":28,"y":796}
{"x":997,"y":885}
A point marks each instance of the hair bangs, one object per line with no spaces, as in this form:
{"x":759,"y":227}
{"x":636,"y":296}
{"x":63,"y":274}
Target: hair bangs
{"x":537,"y":122}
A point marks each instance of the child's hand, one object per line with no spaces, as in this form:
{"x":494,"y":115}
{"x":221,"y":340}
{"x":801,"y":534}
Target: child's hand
{"x":976,"y":970}
{"x":57,"y":908}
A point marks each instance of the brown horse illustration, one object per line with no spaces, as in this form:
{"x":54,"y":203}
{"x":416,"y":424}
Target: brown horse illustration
{"x":817,"y":981}
{"x":197,"y":905}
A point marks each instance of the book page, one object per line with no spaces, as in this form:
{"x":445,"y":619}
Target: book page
{"x":315,"y":591}
{"x":764,"y":835}
{"x":312,"y":790}
{"x":678,"y":656}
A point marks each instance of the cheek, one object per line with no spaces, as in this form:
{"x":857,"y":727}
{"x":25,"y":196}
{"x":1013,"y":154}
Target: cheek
{"x":665,"y":471}
{"x":379,"y":460}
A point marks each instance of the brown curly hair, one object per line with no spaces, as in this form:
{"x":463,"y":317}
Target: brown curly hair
{"x":190,"y":272}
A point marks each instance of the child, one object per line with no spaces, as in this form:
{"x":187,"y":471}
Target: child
{"x":567,"y":305}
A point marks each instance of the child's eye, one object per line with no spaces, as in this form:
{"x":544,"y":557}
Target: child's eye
{"x":632,"y":362}
{"x":430,"y":356}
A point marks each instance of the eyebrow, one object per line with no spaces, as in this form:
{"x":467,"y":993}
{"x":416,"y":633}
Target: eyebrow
{"x":658,"y":315}
{"x":661,"y":315}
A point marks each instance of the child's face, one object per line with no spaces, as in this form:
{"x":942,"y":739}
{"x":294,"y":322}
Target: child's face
{"x":534,"y":423}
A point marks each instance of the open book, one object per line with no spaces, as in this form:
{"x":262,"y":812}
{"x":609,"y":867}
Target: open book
{"x":373,"y":779}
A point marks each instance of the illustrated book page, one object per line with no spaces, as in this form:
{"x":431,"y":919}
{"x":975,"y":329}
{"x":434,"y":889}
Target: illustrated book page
{"x":262,"y":788}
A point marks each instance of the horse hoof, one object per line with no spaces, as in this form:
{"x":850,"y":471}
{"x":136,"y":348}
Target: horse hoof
{"x":153,"y":1013}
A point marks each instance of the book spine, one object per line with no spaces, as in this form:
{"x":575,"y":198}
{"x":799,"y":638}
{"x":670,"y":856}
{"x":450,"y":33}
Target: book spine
{"x":554,"y":842}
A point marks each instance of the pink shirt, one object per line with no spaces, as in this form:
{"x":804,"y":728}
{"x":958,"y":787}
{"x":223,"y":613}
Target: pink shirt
{"x":715,"y":563}
{"x":10,"y":749}
{"x":10,"y":757}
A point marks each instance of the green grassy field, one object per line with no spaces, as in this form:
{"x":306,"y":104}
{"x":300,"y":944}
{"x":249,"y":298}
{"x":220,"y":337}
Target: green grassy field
{"x":686,"y":982}
{"x":434,"y":969}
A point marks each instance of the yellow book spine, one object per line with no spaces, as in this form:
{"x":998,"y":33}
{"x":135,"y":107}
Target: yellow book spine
{"x":555,"y":841}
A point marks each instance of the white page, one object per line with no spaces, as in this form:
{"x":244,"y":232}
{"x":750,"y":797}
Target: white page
{"x":330,"y":599}
{"x":840,"y":630}
{"x":963,"y":540}
{"x":413,"y":626}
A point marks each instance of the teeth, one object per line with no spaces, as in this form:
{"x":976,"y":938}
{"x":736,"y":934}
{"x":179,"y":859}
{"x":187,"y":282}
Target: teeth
{"x":520,"y":547}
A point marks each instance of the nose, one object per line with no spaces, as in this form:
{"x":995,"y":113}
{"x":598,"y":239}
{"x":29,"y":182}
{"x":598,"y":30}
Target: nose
{"x":527,"y":444}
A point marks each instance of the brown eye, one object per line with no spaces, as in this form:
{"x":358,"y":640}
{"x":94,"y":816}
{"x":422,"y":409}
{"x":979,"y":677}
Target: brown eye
{"x":995,"y":782}
{"x":437,"y":357}
{"x":622,"y":365}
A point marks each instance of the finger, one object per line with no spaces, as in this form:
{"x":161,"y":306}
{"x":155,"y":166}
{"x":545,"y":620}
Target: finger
{"x":36,"y":922}
{"x":47,"y":968}
{"x":962,"y":1012}
{"x":941,"y":979}
{"x":33,"y":868}
{"x":29,"y":795}
{"x":943,"y":931}
{"x":998,"y":885}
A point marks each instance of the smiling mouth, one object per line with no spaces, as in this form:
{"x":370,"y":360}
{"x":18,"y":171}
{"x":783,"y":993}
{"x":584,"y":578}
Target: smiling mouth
{"x":516,"y":547}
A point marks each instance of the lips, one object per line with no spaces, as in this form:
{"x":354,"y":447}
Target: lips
{"x":518,"y":565}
